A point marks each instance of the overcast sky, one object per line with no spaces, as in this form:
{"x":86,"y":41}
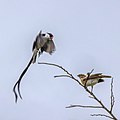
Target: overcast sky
{"x":86,"y":35}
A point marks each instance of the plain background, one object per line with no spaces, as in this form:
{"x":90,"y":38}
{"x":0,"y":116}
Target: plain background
{"x":87,"y":36}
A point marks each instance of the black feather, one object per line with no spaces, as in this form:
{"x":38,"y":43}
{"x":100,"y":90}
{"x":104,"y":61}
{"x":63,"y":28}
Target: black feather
{"x":34,"y":45}
{"x":100,"y":80}
{"x":17,"y":84}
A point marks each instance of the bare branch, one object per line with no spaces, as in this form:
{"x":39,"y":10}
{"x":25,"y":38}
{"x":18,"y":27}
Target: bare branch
{"x":83,"y":106}
{"x":62,"y":76}
{"x":112,"y":97}
{"x":45,"y":63}
{"x":88,"y":91}
{"x":69,"y":74}
{"x":102,"y":115}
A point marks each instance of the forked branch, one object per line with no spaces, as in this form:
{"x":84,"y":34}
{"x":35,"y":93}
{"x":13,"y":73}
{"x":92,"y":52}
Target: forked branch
{"x":101,"y":105}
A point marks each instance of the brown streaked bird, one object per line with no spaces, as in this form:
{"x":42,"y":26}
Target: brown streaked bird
{"x":43,"y":43}
{"x":92,"y":79}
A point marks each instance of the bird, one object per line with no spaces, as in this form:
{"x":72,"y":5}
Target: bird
{"x":43,"y":43}
{"x":92,"y":79}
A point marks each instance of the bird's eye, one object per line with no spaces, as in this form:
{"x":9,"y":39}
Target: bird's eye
{"x":43,"y":34}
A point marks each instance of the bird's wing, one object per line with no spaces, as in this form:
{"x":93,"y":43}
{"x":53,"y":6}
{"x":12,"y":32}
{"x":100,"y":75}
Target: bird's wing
{"x":94,"y":76}
{"x":98,"y":75}
{"x":50,"y":47}
{"x":105,"y":76}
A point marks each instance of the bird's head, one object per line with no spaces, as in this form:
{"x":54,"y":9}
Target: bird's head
{"x":81,"y":76}
{"x":46,"y":35}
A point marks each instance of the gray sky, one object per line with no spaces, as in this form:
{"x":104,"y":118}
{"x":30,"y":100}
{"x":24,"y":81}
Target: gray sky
{"x":87,"y":36}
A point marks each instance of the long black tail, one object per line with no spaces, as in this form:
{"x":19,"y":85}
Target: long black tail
{"x":17,"y":84}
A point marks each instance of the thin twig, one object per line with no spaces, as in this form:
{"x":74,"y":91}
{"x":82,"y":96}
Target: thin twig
{"x":90,"y":71}
{"x":112,"y":97}
{"x":62,"y":76}
{"x":87,"y":90}
{"x":45,"y":63}
{"x":52,"y":64}
{"x":102,"y":115}
{"x":83,"y":106}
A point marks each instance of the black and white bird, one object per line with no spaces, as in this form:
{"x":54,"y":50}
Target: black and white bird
{"x":92,"y":79}
{"x":43,"y":43}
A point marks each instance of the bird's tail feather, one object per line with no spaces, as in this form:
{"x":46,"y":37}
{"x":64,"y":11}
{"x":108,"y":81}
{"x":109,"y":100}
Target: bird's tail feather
{"x":17,"y":84}
{"x":34,"y":56}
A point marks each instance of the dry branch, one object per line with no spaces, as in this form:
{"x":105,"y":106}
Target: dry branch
{"x":112,"y":98}
{"x":83,"y":106}
{"x":102,"y":115}
{"x":68,"y":74}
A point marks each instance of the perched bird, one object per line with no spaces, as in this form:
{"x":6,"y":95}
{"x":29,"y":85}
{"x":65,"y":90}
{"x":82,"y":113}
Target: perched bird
{"x":43,"y":43}
{"x":92,"y":79}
